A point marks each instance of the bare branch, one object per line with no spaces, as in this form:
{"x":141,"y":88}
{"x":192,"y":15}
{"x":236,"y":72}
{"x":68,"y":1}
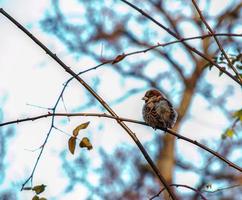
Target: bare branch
{"x":98,"y":98}
{"x":170,"y":131}
{"x":216,"y":39}
{"x":186,"y":44}
{"x":180,"y":185}
{"x":224,"y":188}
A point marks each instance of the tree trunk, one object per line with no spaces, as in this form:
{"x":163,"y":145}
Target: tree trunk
{"x":166,"y":159}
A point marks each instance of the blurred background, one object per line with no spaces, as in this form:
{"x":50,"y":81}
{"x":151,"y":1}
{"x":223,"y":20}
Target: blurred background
{"x":86,"y":33}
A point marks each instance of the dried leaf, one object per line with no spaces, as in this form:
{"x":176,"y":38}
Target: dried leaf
{"x":79,"y":127}
{"x":221,"y":72}
{"x":35,"y":197}
{"x":118,"y":58}
{"x":85,"y":143}
{"x":39,"y":188}
{"x":238,"y":114}
{"x":72,"y":144}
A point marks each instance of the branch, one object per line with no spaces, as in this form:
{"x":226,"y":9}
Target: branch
{"x":180,"y":185}
{"x":186,"y":44}
{"x":170,"y":131}
{"x":98,"y":98}
{"x":216,"y":39}
{"x":222,"y":189}
{"x":124,"y":55}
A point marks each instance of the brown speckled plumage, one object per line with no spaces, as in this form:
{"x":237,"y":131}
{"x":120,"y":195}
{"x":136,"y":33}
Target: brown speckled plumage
{"x":158,"y":112}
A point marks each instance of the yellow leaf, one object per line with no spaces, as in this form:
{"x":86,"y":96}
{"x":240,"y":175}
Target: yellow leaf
{"x":85,"y":143}
{"x":229,"y":133}
{"x":79,"y":127}
{"x":39,"y":188}
{"x":72,"y":144}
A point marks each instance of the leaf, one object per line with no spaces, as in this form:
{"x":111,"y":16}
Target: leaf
{"x":210,"y":67}
{"x":85,"y":143}
{"x":229,"y":132}
{"x":72,"y":144}
{"x":42,"y":198}
{"x":239,"y":67}
{"x":221,"y":72}
{"x":79,"y":127}
{"x":35,"y":197}
{"x":119,"y":58}
{"x":223,"y":136}
{"x":238,"y":114}
{"x":39,"y":188}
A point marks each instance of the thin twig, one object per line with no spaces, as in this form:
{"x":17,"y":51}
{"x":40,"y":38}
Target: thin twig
{"x":186,"y":44}
{"x":180,"y":185}
{"x":216,"y":39}
{"x":170,"y":131}
{"x":98,"y":98}
{"x":30,"y":178}
{"x":163,"y":45}
{"x":224,"y":188}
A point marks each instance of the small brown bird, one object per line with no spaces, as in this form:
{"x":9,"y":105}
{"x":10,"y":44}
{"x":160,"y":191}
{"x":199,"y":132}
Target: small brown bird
{"x":158,"y":111}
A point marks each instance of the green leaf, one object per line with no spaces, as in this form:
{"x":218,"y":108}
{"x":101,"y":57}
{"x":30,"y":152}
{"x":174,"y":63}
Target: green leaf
{"x":229,"y":132}
{"x":238,"y":67}
{"x":209,"y":65}
{"x":85,"y":143}
{"x":72,"y":144}
{"x":39,"y":188}
{"x":223,"y":136}
{"x":79,"y":127}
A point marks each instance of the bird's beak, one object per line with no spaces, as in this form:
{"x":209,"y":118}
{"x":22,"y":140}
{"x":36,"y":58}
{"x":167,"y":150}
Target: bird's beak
{"x":145,"y":98}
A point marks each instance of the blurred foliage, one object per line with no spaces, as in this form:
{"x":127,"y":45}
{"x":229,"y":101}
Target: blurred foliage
{"x":101,"y":30}
{"x":6,"y":134}
{"x":104,"y":30}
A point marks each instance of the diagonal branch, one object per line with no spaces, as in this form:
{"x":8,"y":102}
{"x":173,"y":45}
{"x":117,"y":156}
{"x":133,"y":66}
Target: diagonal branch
{"x":216,"y":39}
{"x":186,"y":44}
{"x":170,"y":131}
{"x":98,"y":98}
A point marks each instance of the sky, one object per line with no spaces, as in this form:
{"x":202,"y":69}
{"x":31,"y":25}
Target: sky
{"x":29,"y":77}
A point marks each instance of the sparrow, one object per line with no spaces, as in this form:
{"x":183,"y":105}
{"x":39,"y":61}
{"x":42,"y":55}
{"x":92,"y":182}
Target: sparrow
{"x":158,"y":111}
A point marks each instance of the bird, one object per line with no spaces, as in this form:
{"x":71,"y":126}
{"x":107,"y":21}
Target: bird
{"x":158,"y":112}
